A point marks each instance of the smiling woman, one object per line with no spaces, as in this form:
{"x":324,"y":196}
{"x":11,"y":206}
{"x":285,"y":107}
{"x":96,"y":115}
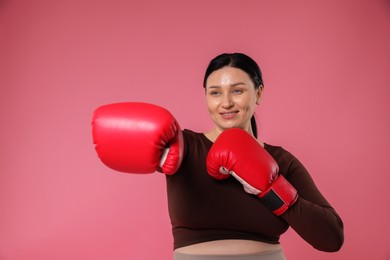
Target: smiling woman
{"x":231,"y":99}
{"x":227,"y":221}
{"x":242,"y":74}
{"x":229,"y":193}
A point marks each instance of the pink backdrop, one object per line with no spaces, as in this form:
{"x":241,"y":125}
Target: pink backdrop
{"x":326,"y":68}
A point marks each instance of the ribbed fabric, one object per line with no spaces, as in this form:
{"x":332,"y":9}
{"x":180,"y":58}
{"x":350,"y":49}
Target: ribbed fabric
{"x":275,"y":255}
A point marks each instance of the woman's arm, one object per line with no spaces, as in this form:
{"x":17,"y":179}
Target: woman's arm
{"x":312,"y":217}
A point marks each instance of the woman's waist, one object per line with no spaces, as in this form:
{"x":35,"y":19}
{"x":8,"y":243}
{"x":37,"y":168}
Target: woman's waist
{"x":228,"y":247}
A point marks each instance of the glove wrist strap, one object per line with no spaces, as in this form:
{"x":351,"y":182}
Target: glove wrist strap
{"x":280,"y":196}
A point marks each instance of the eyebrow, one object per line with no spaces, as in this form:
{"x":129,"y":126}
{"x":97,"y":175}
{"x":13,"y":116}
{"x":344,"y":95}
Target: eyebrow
{"x":232,"y":85}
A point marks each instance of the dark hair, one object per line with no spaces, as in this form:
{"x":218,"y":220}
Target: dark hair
{"x":239,"y":61}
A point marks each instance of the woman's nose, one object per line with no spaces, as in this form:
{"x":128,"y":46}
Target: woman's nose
{"x":227,"y":101}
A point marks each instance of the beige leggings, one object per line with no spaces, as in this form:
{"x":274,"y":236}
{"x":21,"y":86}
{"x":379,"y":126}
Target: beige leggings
{"x":275,"y":255}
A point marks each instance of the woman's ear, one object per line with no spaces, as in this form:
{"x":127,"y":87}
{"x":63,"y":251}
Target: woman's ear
{"x":259,"y":93}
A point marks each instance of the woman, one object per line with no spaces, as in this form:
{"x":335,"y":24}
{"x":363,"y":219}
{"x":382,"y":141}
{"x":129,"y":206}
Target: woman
{"x":218,"y":210}
{"x":212,"y":218}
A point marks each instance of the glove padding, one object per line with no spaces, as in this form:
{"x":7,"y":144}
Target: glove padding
{"x":136,"y":137}
{"x":237,"y":153}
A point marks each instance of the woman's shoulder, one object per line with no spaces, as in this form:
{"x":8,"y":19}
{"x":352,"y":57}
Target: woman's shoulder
{"x":279,"y":153}
{"x":275,"y":149}
{"x":195,"y":142}
{"x":286,"y":160}
{"x":191,"y":134}
{"x":192,"y":137}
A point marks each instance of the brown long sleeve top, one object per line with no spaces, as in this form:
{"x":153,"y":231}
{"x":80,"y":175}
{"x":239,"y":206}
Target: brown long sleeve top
{"x":203,"y":209}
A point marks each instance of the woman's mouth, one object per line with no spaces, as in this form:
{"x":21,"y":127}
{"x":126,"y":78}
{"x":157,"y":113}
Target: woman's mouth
{"x":228,"y":115}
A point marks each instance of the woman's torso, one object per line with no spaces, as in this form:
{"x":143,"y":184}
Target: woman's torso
{"x":206,"y":212}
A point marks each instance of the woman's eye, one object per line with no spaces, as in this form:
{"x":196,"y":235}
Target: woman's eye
{"x":237,"y":91}
{"x":214,"y":93}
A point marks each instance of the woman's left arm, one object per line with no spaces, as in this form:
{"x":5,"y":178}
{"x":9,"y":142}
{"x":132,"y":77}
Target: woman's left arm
{"x":312,"y":217}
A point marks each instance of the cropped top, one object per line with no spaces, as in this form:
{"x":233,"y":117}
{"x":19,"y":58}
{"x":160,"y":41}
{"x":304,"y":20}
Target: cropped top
{"x":203,"y":209}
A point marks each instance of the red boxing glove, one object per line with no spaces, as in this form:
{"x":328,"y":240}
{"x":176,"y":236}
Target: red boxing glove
{"x":137,"y":138}
{"x":237,"y":153}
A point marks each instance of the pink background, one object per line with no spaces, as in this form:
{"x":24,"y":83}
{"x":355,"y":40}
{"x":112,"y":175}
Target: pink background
{"x":326,"y":68}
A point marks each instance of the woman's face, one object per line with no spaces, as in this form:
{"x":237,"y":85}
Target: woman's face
{"x":231,"y":98}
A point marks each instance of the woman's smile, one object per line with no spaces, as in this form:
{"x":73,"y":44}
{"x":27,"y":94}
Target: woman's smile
{"x":228,"y":115}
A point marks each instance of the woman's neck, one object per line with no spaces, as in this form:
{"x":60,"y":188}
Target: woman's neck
{"x":213,"y":134}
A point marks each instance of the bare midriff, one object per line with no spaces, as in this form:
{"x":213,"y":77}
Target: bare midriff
{"x":229,"y":247}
